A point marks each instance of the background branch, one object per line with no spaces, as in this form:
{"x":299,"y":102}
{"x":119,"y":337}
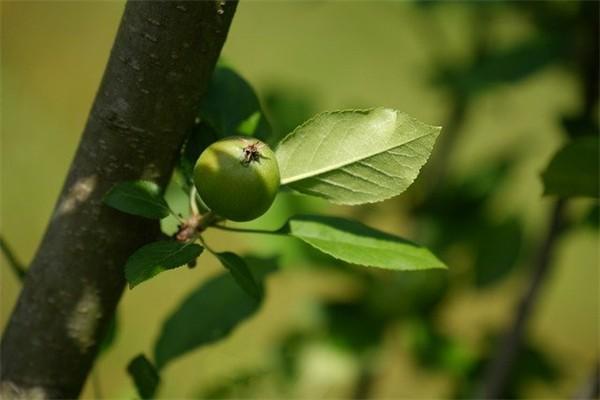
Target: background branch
{"x":14,"y":264}
{"x":591,"y":387}
{"x":161,"y":62}
{"x":498,"y":372}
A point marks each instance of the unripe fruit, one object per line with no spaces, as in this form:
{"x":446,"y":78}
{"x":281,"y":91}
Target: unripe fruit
{"x":237,"y":178}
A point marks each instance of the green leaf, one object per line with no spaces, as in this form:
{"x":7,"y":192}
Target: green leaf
{"x":144,"y":375}
{"x":503,"y":65}
{"x":199,"y":137}
{"x":141,"y":198}
{"x":208,"y":314}
{"x":287,"y":108}
{"x":355,"y":157}
{"x":241,"y":273}
{"x":157,"y":257}
{"x":498,"y":247}
{"x":573,"y":171}
{"x":232,"y":108}
{"x":356,"y":243}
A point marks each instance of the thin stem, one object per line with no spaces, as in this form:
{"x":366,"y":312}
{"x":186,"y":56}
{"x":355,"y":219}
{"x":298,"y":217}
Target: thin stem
{"x":207,"y":220}
{"x":176,"y":216}
{"x":206,"y":246}
{"x":242,"y":230}
{"x":193,"y":205}
{"x":14,"y":264}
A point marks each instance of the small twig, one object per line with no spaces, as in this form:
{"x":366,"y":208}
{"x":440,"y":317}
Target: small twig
{"x":498,"y":372}
{"x":206,"y":246}
{"x":14,"y":264}
{"x":194,"y":225}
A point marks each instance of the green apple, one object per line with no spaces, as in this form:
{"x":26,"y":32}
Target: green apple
{"x":237,"y":178}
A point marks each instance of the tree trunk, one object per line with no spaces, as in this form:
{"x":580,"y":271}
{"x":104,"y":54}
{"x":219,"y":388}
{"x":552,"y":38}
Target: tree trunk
{"x":159,"y":67}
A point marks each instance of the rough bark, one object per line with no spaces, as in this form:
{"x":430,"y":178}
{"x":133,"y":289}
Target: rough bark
{"x":162,"y":59}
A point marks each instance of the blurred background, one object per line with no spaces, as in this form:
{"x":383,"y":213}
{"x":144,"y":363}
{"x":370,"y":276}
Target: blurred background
{"x":507,"y":81}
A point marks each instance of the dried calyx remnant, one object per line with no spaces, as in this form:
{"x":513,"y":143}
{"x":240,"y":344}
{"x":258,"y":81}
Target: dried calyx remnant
{"x":251,"y":153}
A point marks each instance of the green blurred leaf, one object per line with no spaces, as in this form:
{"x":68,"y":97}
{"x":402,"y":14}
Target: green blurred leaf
{"x":144,"y":375}
{"x":287,"y":108}
{"x":579,"y":125}
{"x":356,"y":243}
{"x":236,"y":385}
{"x":434,"y":350}
{"x":501,"y":66}
{"x":592,"y":218}
{"x":231,"y":107}
{"x":573,"y":171}
{"x":355,"y":157}
{"x":352,"y":326}
{"x":157,"y":257}
{"x":498,"y":249}
{"x":241,"y":273}
{"x":143,"y":198}
{"x":200,"y":136}
{"x":401,"y":295}
{"x":208,"y":314}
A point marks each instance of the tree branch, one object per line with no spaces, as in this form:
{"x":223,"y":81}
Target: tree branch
{"x":161,"y":62}
{"x":498,"y":372}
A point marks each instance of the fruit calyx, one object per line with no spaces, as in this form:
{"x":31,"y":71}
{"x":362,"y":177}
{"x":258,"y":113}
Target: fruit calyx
{"x":251,"y":153}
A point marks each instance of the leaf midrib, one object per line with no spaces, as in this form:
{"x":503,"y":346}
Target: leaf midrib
{"x":343,"y":164}
{"x":371,"y":263}
{"x":162,"y":260}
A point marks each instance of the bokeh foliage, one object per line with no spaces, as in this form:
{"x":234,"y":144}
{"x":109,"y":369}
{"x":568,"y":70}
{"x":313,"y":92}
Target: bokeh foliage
{"x":490,"y":52}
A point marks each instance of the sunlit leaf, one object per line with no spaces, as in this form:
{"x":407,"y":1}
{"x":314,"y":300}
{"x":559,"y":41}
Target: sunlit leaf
{"x":157,"y":257}
{"x":144,"y":375}
{"x":573,"y":171}
{"x":143,"y":198}
{"x":355,"y":157}
{"x":356,"y":243}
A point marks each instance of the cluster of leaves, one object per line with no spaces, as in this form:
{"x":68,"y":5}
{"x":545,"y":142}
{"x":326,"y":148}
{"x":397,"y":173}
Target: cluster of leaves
{"x":456,"y":215}
{"x":346,"y":157}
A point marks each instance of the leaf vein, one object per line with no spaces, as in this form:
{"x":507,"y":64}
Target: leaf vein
{"x":324,"y":170}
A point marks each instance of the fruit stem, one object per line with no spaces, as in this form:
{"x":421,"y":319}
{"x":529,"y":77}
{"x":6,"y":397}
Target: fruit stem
{"x":241,"y":230}
{"x":193,"y":205}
